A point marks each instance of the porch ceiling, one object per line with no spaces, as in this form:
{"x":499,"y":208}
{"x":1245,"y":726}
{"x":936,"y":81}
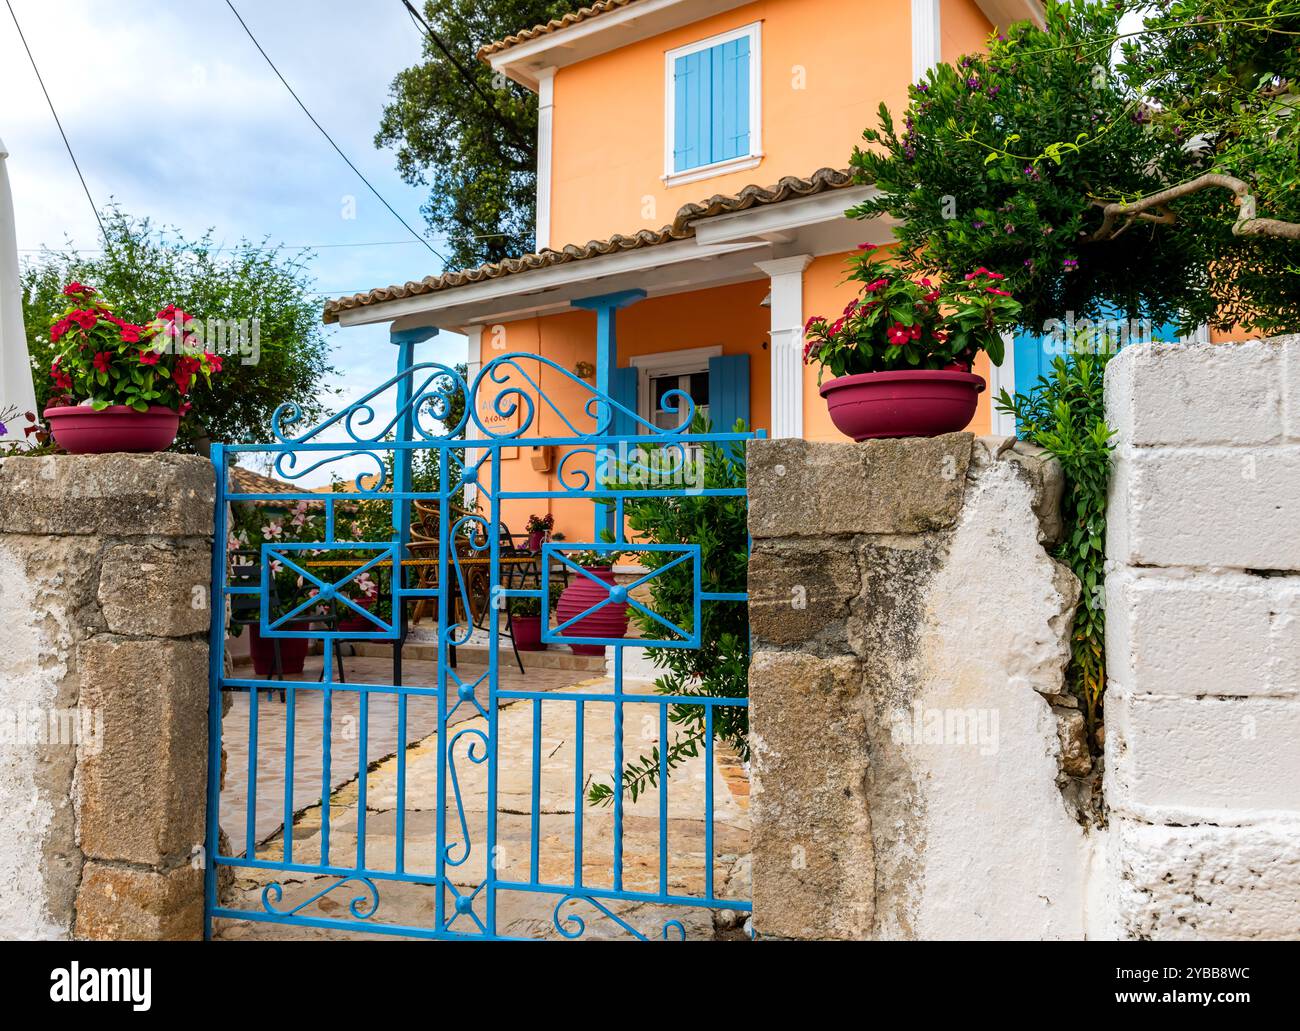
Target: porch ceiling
{"x":712,"y":243}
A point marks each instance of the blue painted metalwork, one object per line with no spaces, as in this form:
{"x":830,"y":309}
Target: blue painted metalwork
{"x":467,"y":871}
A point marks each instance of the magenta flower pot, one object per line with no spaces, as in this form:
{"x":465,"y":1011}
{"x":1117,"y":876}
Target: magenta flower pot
{"x":528,"y":633}
{"x":610,"y":620}
{"x":903,"y":403}
{"x":80,"y":430}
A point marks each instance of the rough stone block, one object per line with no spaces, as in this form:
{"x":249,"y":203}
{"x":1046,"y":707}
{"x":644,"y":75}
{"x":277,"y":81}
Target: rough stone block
{"x":1039,"y":469}
{"x":1176,"y":760}
{"x":1207,"y":882}
{"x":800,"y":488}
{"x":155,"y":590}
{"x":812,"y":849}
{"x":1207,"y":393}
{"x":1203,"y":634}
{"x":1233,"y":507}
{"x":109,"y":495}
{"x":125,"y":903}
{"x":141,"y":796}
{"x":798,"y":595}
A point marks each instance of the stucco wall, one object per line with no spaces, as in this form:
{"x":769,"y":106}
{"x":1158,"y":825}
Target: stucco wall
{"x":917,"y":771}
{"x":104,"y":571}
{"x":1203,"y":640}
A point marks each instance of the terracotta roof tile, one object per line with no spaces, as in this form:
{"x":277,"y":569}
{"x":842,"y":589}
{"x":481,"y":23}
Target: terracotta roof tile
{"x":554,"y":25}
{"x":681,"y":228}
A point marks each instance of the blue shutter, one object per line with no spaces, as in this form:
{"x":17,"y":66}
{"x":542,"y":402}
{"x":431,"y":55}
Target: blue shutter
{"x":728,"y":391}
{"x":691,"y":87}
{"x":622,"y":388}
{"x":730,"y":99}
{"x":711,"y":98}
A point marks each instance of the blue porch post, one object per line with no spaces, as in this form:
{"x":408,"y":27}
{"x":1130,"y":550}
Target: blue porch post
{"x":605,"y":305}
{"x":405,"y":339}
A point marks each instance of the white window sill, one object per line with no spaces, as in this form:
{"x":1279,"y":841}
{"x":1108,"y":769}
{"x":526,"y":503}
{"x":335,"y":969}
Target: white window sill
{"x":694,"y":175}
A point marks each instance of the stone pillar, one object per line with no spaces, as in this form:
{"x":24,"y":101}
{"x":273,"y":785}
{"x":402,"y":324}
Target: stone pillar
{"x":1203,"y":640}
{"x":105,"y":566}
{"x":917,"y":770}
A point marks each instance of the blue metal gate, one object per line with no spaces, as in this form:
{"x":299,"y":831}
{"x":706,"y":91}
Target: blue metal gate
{"x":334,"y":853}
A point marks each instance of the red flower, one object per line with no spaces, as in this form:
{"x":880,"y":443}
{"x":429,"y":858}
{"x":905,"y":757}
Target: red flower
{"x":184,"y":408}
{"x":214,"y":361}
{"x":58,"y":329}
{"x":61,"y":379}
{"x":872,"y":287}
{"x":131,"y":333}
{"x":184,"y":372}
{"x":995,"y":290}
{"x":898,"y":334}
{"x":149,"y":357}
{"x":85,"y":318}
{"x":868,"y":246}
{"x":932,"y":296}
{"x":916,"y":332}
{"x":102,"y":360}
{"x":77,"y":290}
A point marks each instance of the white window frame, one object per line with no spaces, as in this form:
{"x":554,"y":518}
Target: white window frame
{"x":667,"y":363}
{"x":742,"y":161}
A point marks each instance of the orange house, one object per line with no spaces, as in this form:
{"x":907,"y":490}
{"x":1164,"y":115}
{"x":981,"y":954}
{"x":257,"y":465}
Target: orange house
{"x":690,"y":204}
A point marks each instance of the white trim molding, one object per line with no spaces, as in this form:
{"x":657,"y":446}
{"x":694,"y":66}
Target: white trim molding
{"x":671,"y":176}
{"x":545,"y":136}
{"x":926,"y":43}
{"x":667,"y":363}
{"x":786,"y":275}
{"x":473,"y":364}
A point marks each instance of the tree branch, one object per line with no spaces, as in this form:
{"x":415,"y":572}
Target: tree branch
{"x":1119,"y":215}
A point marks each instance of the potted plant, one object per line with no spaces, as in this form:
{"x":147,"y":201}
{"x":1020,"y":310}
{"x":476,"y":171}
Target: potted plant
{"x":119,"y":386}
{"x":363,"y":591}
{"x":593,"y":588}
{"x":901,"y":351}
{"x":539,"y":531}
{"x":526,"y":620}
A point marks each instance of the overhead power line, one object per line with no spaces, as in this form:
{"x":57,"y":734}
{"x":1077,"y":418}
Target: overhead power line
{"x":57,"y":122}
{"x":327,"y":136}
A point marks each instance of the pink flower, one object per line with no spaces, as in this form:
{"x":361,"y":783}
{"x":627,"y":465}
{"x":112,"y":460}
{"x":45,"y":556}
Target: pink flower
{"x":898,"y":334}
{"x":995,"y":290}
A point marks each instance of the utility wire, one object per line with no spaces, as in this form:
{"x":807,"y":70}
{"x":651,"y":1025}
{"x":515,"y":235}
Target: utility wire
{"x":56,"y":120}
{"x":511,"y":130}
{"x":327,"y":136}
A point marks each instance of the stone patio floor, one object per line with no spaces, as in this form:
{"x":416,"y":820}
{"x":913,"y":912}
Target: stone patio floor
{"x":528,"y":914}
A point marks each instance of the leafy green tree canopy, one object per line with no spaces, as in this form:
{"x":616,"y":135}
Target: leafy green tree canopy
{"x":142,"y":268}
{"x":468,"y":134}
{"x":1085,"y":162}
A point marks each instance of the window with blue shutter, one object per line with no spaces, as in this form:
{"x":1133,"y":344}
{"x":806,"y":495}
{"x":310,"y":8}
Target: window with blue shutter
{"x":711,"y":104}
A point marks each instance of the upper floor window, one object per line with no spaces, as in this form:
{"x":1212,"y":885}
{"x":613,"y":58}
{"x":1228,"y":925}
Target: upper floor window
{"x":712,"y":106}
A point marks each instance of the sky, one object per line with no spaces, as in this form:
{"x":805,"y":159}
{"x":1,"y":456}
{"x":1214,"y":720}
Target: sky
{"x":173,"y":114}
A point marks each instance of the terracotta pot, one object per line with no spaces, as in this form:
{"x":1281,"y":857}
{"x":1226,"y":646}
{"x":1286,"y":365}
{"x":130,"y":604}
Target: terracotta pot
{"x":610,"y":620}
{"x":528,"y":633}
{"x":293,"y":650}
{"x":904,"y":403}
{"x":80,"y":430}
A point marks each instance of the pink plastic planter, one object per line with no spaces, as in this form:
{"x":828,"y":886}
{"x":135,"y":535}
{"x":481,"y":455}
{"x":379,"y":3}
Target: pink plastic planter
{"x":607,"y":621}
{"x":909,"y":403}
{"x":528,"y":633}
{"x":81,"y":430}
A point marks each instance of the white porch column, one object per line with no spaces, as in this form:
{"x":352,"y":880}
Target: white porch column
{"x":786,"y":275}
{"x":926,"y":51}
{"x":545,"y":107}
{"x":473,"y":364}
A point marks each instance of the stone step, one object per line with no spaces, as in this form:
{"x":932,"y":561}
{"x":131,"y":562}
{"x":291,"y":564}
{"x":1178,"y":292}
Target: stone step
{"x":477,"y":654}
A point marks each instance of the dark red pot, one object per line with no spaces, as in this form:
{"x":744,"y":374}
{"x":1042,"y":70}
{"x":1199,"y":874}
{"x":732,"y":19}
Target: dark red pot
{"x":293,"y":650}
{"x":607,"y":621}
{"x":528,"y":633}
{"x":353,"y":623}
{"x":80,"y":430}
{"x":904,"y":403}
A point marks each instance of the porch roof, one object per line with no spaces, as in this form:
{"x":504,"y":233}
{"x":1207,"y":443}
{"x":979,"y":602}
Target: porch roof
{"x":682,"y":228}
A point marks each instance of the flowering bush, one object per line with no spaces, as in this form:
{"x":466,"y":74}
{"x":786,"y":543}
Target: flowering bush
{"x":104,"y":360}
{"x":898,"y":322}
